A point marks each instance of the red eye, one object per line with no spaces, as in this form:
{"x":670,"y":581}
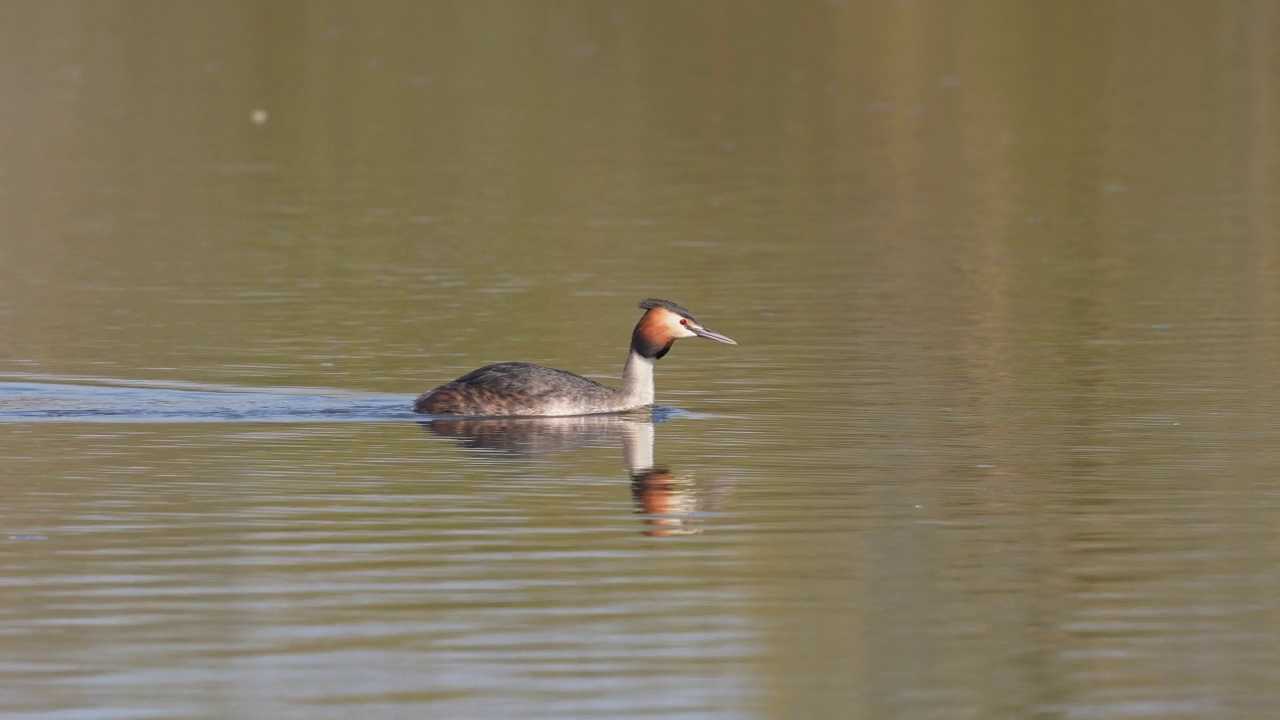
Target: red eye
{"x":683,"y":321}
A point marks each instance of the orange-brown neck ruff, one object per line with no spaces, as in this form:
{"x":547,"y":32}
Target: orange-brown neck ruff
{"x":651,"y":339}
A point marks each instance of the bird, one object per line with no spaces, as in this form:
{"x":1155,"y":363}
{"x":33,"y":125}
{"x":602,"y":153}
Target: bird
{"x":526,"y":389}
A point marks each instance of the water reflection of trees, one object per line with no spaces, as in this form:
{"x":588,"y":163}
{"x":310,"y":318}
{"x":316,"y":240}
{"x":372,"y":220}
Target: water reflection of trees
{"x":670,"y":504}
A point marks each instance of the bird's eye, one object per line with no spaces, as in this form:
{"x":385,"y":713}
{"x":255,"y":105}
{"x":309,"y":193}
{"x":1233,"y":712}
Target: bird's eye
{"x":683,"y":321}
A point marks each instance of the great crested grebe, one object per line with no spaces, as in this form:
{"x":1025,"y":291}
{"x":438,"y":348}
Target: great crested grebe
{"x":519,"y":388}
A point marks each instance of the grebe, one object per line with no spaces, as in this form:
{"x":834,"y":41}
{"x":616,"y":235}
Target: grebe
{"x":519,"y":388}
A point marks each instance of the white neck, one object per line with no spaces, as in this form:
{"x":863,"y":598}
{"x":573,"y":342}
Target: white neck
{"x":636,"y":389}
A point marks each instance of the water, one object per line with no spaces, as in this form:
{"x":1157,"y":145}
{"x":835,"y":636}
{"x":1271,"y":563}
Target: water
{"x":257,"y":568}
{"x":101,"y":399}
{"x":997,"y":440}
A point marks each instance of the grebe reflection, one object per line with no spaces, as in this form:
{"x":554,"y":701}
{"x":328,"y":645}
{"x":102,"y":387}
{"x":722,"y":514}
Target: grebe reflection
{"x":670,"y":504}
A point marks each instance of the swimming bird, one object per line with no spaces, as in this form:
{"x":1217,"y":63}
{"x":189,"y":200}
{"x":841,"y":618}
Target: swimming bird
{"x":520,"y":388}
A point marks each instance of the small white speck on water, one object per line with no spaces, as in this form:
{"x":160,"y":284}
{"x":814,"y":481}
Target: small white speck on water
{"x":259,"y":117}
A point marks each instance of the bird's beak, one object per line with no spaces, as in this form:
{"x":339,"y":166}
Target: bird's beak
{"x":703,"y":332}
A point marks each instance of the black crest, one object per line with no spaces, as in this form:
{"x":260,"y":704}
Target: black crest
{"x":652,"y":303}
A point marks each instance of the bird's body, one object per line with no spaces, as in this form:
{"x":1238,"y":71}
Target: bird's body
{"x":519,"y":388}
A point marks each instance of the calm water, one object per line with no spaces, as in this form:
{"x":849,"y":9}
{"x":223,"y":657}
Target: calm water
{"x":998,"y":440}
